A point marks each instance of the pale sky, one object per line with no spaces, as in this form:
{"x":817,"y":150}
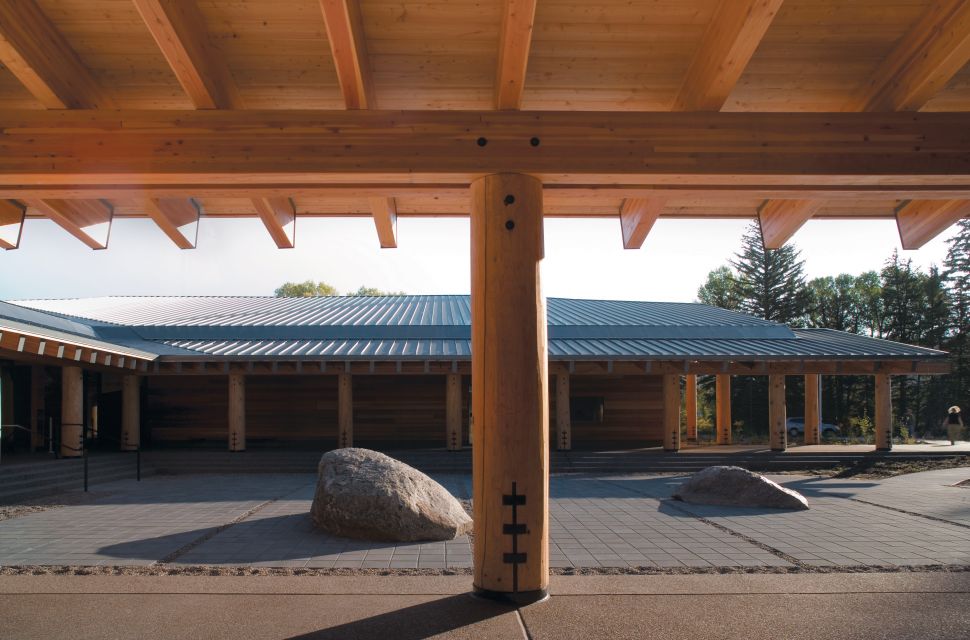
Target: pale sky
{"x":584,"y":257}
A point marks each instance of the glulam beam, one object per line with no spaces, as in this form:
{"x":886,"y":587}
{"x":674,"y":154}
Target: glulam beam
{"x":12,"y":215}
{"x":780,"y":219}
{"x":279,"y":218}
{"x":345,"y":32}
{"x":637,"y":216}
{"x":919,"y":221}
{"x":513,"y":52}
{"x":43,"y":61}
{"x":170,"y":214}
{"x":87,"y":220}
{"x":384,"y":211}
{"x":731,"y":39}
{"x":179,"y":29}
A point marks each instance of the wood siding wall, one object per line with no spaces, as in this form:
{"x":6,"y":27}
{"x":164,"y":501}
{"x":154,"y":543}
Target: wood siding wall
{"x":389,"y":411}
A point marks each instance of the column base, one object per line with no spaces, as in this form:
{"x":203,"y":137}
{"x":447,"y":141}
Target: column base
{"x":518,"y":599}
{"x":884,"y":449}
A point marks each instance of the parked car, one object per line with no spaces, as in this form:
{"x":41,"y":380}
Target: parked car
{"x":796,"y":428}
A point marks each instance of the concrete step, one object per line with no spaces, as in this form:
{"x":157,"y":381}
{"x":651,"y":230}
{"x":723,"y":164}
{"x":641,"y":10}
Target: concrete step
{"x":13,"y":495}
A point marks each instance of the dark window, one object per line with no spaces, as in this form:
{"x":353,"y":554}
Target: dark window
{"x":586,"y":409}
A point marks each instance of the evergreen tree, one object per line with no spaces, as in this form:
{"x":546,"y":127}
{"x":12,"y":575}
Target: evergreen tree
{"x":872,"y":314}
{"x":956,"y":271}
{"x":771,"y":282}
{"x":833,"y":303}
{"x":720,"y":290}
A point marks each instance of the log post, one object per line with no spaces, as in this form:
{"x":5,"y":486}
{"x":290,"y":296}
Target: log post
{"x":722,"y":398}
{"x":813,"y":413}
{"x":37,"y":409}
{"x":690,"y":406}
{"x":671,"y":396}
{"x":884,"y":413}
{"x":510,"y":396}
{"x":453,"y":439}
{"x":345,"y":410}
{"x":130,"y":412}
{"x":72,"y":411}
{"x":237,"y":412}
{"x":777,"y":429}
{"x":564,"y":425}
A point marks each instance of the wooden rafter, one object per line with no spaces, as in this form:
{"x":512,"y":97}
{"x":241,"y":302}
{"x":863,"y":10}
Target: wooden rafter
{"x":513,"y":53}
{"x":279,"y":217}
{"x":40,"y":57}
{"x":179,"y":29}
{"x":637,"y":216}
{"x":729,"y":42}
{"x":384,"y":211}
{"x":76,"y":216}
{"x":922,"y":63}
{"x":780,"y":219}
{"x":919,"y":221}
{"x":170,"y":214}
{"x":345,"y":32}
{"x":11,"y":223}
{"x":410,"y":147}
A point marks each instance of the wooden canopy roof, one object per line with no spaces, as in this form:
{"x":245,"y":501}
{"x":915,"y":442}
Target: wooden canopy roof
{"x":778,"y":109}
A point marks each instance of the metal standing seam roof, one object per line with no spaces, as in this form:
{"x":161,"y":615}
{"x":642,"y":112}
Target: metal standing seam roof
{"x":438,"y":327}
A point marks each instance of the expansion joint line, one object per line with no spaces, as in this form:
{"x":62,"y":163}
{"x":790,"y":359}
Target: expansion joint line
{"x":911,"y":513}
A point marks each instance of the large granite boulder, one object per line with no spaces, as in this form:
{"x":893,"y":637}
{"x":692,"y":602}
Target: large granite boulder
{"x":366,"y":494}
{"x":737,"y":487}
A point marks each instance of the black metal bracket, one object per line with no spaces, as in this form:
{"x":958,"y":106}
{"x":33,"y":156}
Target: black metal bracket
{"x":514,"y":529}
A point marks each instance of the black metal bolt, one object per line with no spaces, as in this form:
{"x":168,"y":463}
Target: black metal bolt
{"x":509,"y":199}
{"x":534,"y":142}
{"x":509,"y":225}
{"x":482,"y":142}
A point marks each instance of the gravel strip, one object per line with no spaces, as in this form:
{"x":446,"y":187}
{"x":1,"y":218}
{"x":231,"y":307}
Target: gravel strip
{"x":27,"y":507}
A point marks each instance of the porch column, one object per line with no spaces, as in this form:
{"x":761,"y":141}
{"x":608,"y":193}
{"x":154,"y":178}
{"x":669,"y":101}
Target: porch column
{"x":510,"y":396}
{"x":37,"y":409}
{"x":884,"y":413}
{"x":72,"y":411}
{"x":564,"y":425}
{"x":671,"y":395}
{"x":722,"y":398}
{"x":777,"y":429}
{"x":690,"y":402}
{"x":345,"y":410}
{"x":237,"y":412}
{"x":131,"y":412}
{"x":812,"y":409}
{"x":453,"y":440}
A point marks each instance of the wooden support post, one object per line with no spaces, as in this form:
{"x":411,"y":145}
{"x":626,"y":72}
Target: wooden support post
{"x":237,"y":412}
{"x":777,"y":429}
{"x":884,"y":413}
{"x":72,"y":411}
{"x":722,"y":397}
{"x":671,"y":395}
{"x":813,"y":417}
{"x":345,"y":410}
{"x":453,"y":439}
{"x":510,"y":396}
{"x":564,"y":424}
{"x":37,"y":409}
{"x":131,"y":412}
{"x":690,"y":406}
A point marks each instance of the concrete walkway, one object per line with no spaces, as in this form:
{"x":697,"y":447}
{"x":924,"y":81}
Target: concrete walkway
{"x":625,"y":521}
{"x":754,"y":607}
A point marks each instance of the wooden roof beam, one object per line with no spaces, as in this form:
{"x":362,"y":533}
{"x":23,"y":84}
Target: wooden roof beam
{"x":513,"y":52}
{"x":922,"y":63}
{"x":345,"y":31}
{"x":728,"y":44}
{"x":780,"y":219}
{"x":87,"y":220}
{"x":172,"y":215}
{"x":384,"y":211}
{"x":41,"y":58}
{"x":12,"y":215}
{"x":919,"y":221}
{"x":637,"y":216}
{"x":179,"y":29}
{"x":279,"y":216}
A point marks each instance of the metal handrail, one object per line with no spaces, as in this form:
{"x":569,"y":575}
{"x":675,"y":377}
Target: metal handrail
{"x":15,"y":426}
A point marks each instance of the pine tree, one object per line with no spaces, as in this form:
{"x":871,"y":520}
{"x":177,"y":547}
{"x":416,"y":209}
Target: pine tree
{"x":771,"y":282}
{"x":956,"y":271}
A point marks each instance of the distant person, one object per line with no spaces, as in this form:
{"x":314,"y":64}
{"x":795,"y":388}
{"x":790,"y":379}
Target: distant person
{"x":953,"y":424}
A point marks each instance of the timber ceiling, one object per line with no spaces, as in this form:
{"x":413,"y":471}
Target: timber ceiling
{"x":83,"y":84}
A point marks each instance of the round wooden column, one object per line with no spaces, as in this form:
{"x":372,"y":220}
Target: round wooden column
{"x":777,"y":418}
{"x":130,"y":413}
{"x":722,"y":400}
{"x":884,"y":413}
{"x":237,"y":412}
{"x":72,"y":411}
{"x":671,"y":404}
{"x":690,"y":406}
{"x":813,"y":412}
{"x":510,"y":394}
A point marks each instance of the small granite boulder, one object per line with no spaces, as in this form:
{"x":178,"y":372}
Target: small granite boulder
{"x":366,"y":494}
{"x":737,"y":487}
